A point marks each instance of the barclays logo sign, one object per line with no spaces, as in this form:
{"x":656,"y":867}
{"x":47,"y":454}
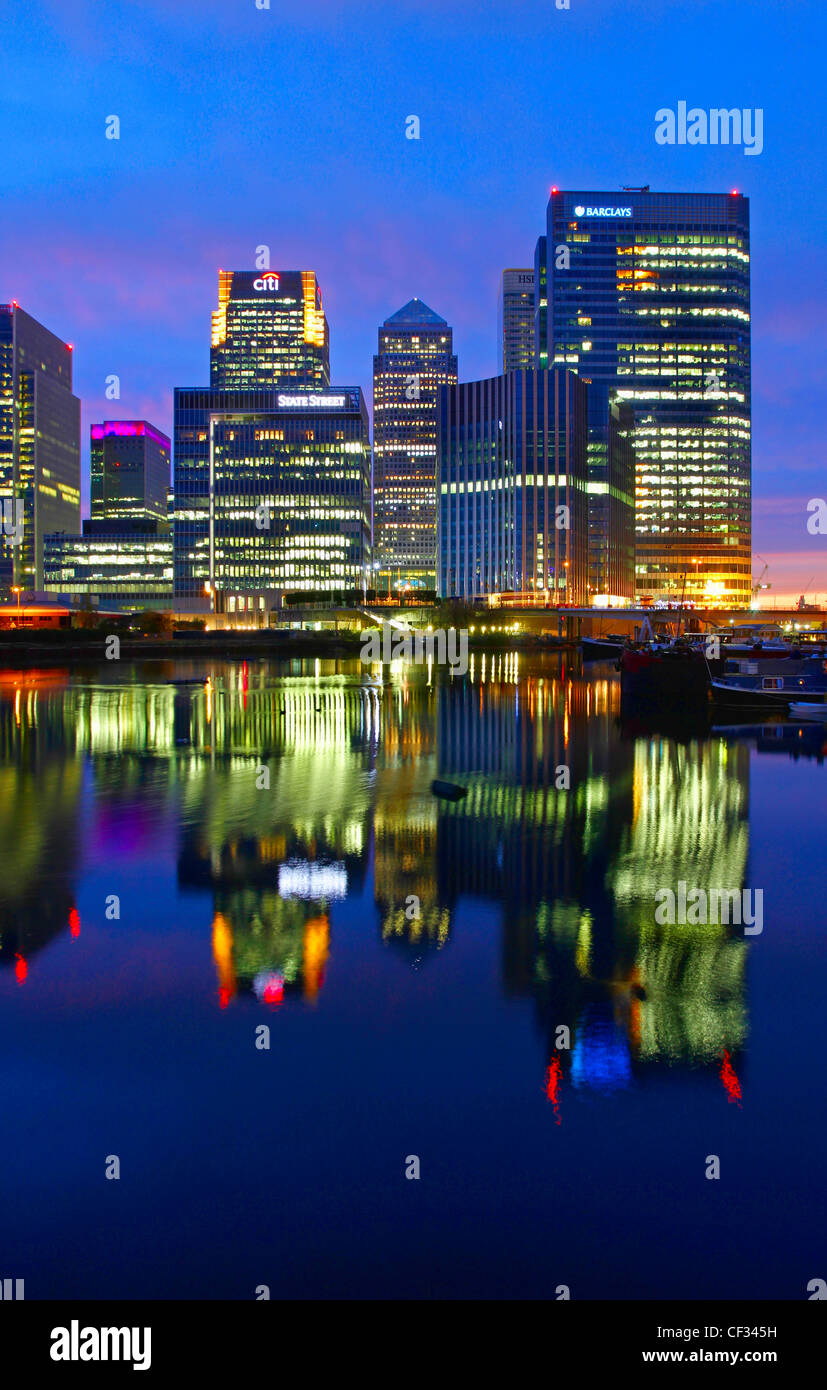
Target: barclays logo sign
{"x":580,"y":211}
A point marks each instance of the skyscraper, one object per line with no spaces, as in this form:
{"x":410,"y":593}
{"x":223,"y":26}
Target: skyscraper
{"x":39,"y":444}
{"x":284,"y":478}
{"x":513,"y":501}
{"x":515,"y":319}
{"x":649,"y":297}
{"x":272,"y":466}
{"x":269,"y":328}
{"x":129,"y":471}
{"x":415,"y":358}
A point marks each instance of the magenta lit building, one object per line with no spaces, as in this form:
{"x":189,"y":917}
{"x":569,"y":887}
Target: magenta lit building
{"x":130,"y":471}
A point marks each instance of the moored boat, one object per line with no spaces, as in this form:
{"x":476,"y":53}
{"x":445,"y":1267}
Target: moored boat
{"x":770,"y":683}
{"x":601,"y":648}
{"x":805,"y":709}
{"x":673,"y":672}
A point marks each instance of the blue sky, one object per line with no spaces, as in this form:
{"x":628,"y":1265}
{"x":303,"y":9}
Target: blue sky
{"x":286,"y":126}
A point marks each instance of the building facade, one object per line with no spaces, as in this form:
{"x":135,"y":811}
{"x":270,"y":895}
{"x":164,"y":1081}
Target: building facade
{"x":515,"y":320}
{"x":39,"y":445}
{"x":269,"y":328}
{"x":512,"y":479}
{"x":649,"y":298}
{"x":272,"y":493}
{"x":272,"y":464}
{"x":414,"y":361}
{"x":130,"y":471}
{"x":123,"y":565}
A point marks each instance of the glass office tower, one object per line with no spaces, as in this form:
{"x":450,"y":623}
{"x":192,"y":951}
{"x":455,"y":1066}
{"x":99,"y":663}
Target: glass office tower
{"x":39,"y":445}
{"x":114,"y":564}
{"x":123,"y":559}
{"x":515,"y":319}
{"x":129,"y":471}
{"x":414,"y":360}
{"x":269,"y":433}
{"x":272,"y":493}
{"x":649,"y":297}
{"x":513,"y":500}
{"x":269,"y":328}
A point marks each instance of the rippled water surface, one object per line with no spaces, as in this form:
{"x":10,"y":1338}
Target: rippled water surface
{"x":417,"y":962}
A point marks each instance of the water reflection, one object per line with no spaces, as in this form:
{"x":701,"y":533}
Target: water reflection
{"x":571,"y":823}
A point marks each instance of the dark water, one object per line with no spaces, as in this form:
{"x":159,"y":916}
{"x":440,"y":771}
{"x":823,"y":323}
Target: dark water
{"x":393,"y":1035}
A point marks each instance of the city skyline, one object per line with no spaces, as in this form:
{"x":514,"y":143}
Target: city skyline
{"x":441,"y":217}
{"x":413,"y":670}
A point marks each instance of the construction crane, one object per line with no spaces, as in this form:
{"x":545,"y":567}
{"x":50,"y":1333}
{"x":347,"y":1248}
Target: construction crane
{"x":802,"y":602}
{"x":757,"y":585}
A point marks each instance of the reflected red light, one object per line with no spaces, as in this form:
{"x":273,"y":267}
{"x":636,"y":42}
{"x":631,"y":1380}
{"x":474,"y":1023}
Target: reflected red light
{"x":730,"y":1080}
{"x":223,"y":997}
{"x":74,"y":922}
{"x":21,"y":969}
{"x":273,"y":992}
{"x":554,"y":1076}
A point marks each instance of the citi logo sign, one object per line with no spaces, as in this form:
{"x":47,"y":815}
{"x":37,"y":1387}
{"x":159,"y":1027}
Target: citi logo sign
{"x":580,"y":211}
{"x":266,"y":282}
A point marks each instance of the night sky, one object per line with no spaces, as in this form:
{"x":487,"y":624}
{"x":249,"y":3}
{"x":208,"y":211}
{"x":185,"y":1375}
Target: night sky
{"x":286,"y":127}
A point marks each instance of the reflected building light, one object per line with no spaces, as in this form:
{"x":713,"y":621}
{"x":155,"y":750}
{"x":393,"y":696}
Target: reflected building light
{"x":731,"y":1083}
{"x":316,"y":951}
{"x":600,"y":1057}
{"x":222,"y":950}
{"x":306,"y":879}
{"x":268,"y":987}
{"x":554,"y":1076}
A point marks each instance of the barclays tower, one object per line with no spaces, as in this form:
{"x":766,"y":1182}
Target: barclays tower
{"x":648,"y":299}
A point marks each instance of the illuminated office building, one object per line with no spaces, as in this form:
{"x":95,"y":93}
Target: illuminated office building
{"x":272,"y":492}
{"x":414,"y":360}
{"x":114,"y":564}
{"x":39,"y":445}
{"x":269,"y":329}
{"x":649,"y":296}
{"x":515,"y":320}
{"x":272,"y":465}
{"x":540,"y":305}
{"x":123,"y":559}
{"x":611,"y":460}
{"x":513,"y":512}
{"x":129,"y":471}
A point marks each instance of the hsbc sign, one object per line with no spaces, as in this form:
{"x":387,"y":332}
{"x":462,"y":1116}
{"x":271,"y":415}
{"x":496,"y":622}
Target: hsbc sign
{"x":266,"y":282}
